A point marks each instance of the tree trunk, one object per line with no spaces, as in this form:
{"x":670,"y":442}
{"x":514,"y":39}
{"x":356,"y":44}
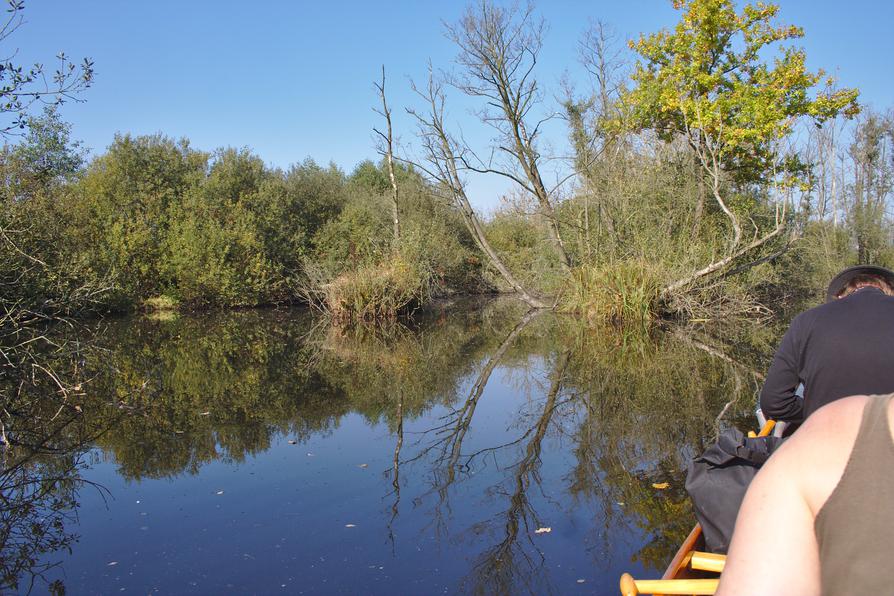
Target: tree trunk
{"x":388,"y":142}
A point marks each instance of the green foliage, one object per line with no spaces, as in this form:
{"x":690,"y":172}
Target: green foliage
{"x":621,"y":293}
{"x":45,"y":158}
{"x":41,"y":269}
{"x":435,"y":248}
{"x":213,"y":253}
{"x":224,"y":230}
{"x":124,"y":209}
{"x":525,"y":248}
{"x":708,"y":80}
{"x":357,"y":237}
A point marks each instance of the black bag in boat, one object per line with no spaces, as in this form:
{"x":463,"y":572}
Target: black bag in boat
{"x":717,"y":482}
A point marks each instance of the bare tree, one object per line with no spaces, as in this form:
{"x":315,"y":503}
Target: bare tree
{"x":387,"y":149}
{"x":873,"y":170}
{"x":589,"y":136}
{"x":498,"y":52}
{"x":442,"y":154}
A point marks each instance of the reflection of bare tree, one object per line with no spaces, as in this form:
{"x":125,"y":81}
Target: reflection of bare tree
{"x":452,"y":432}
{"x":737,"y":368}
{"x":395,"y":468}
{"x":509,"y":564}
{"x":39,"y":480}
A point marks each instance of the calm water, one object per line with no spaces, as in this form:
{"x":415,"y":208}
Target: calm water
{"x":487,"y":451}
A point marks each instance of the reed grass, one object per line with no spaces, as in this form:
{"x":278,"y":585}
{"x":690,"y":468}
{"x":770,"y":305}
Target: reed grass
{"x":378,"y":292}
{"x":620,"y":293}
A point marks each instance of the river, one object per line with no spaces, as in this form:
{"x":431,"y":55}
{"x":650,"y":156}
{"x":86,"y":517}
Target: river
{"x":480,"y":450}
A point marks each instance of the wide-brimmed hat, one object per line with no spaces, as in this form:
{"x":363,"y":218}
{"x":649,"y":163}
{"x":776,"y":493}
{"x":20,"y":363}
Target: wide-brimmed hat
{"x":841,"y":280}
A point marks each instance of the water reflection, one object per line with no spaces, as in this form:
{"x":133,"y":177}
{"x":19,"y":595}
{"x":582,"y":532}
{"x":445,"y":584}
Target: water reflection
{"x":516,"y":441}
{"x":43,"y":442}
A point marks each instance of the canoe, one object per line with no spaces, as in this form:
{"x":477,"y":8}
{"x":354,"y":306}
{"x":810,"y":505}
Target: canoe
{"x":692,"y":571}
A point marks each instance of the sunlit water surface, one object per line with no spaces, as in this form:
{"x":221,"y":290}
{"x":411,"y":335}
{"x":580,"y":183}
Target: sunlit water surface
{"x":483,"y":451}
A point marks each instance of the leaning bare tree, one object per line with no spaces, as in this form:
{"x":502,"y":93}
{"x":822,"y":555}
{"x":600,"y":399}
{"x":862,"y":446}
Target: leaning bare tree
{"x":442,"y":157}
{"x":498,"y":51}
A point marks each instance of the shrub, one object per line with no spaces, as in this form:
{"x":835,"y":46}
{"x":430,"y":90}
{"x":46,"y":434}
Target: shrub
{"x":376,"y":292}
{"x":621,"y":293}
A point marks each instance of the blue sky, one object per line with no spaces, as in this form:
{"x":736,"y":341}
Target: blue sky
{"x":293,"y":80}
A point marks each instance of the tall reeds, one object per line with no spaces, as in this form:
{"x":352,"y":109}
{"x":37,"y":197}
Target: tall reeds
{"x":377,"y":292}
{"x":620,"y":293}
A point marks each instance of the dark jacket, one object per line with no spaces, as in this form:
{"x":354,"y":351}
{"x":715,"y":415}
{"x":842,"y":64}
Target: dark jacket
{"x":841,"y":348}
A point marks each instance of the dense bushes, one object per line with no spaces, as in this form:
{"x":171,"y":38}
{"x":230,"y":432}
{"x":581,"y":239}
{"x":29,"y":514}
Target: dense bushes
{"x":154,"y":221}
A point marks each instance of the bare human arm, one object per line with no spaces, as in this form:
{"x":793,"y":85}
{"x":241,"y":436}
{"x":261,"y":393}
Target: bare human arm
{"x":774,"y":550}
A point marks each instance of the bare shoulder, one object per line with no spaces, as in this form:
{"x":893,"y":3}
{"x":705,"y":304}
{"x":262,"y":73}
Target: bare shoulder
{"x":785,"y":497}
{"x":815,"y":457}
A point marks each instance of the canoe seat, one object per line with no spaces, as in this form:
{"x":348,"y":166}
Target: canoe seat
{"x":699,"y":587}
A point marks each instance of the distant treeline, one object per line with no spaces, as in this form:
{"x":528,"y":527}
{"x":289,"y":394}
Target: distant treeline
{"x":153,"y":220}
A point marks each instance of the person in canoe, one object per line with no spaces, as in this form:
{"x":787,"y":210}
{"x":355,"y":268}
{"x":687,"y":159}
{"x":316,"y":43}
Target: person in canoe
{"x":818,"y":518}
{"x":840,"y":348}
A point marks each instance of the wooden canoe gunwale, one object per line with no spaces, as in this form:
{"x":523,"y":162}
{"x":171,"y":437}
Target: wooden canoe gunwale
{"x":679,"y":565}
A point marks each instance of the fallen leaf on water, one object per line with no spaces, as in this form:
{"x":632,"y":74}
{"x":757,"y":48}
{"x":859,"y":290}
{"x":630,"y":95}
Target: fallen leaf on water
{"x":350,"y":526}
{"x":661,"y":485}
{"x":543,"y":530}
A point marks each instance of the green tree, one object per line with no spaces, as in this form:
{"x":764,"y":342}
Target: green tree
{"x":215,"y":253}
{"x":710,"y":82}
{"x":45,"y":159}
{"x":125,"y":199}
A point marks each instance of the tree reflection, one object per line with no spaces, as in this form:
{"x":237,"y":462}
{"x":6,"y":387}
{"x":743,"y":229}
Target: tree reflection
{"x":44,"y":439}
{"x":178,"y":394}
{"x":516,"y":561}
